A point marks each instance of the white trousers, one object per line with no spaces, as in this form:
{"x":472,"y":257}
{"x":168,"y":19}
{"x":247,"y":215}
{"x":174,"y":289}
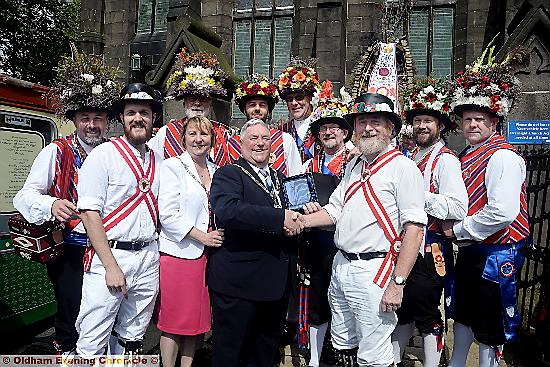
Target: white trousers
{"x":101,"y":310}
{"x":356,"y":317}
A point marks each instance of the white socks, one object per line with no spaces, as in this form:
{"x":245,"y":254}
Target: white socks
{"x":399,"y":340}
{"x":431,"y":354}
{"x":316,"y":338}
{"x":463,"y":339}
{"x":487,"y":356}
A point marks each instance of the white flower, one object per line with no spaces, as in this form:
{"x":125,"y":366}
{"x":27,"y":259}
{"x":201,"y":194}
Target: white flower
{"x":87,"y":77}
{"x":109,"y":83}
{"x":382,"y":107}
{"x":437,"y":105}
{"x":429,"y":89}
{"x":97,"y":89}
{"x":198,"y":70}
{"x":472,"y":90}
{"x":346,"y":97}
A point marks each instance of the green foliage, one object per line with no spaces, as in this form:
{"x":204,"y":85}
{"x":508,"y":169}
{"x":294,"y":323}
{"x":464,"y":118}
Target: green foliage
{"x":34,"y":34}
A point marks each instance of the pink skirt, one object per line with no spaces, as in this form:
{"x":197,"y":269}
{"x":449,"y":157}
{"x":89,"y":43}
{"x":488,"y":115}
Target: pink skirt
{"x":183,"y":305}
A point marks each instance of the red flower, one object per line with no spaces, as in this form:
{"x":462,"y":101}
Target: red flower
{"x":495,"y":98}
{"x":505,"y":86}
{"x":460,"y":73}
{"x":445,"y":107}
{"x":482,"y":85}
{"x":255,"y":89}
{"x":485,"y":79}
{"x":466,"y":84}
{"x":460,"y":80}
{"x":418,"y":105}
{"x":430,"y":97}
{"x":244,"y":85}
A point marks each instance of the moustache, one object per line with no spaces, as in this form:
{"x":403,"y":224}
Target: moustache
{"x":368,"y":135}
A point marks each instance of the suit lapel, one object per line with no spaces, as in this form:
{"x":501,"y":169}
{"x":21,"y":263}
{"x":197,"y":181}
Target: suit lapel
{"x":248,"y":167}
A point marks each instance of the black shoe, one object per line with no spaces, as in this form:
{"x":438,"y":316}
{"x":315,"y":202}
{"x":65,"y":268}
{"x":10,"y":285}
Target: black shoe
{"x":290,"y":331}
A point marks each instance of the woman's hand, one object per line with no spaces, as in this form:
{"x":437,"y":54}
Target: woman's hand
{"x":214,"y":238}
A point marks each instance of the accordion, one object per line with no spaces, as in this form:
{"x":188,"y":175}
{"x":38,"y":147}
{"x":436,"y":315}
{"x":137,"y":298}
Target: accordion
{"x":41,"y":243}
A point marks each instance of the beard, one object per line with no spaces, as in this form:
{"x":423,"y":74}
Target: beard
{"x":93,"y":137}
{"x":425,"y":141}
{"x":372,"y":145}
{"x":135,"y":136}
{"x":190,"y":112}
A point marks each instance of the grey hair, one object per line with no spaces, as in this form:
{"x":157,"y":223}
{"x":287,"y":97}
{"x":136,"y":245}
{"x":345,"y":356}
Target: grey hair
{"x":250,"y":123}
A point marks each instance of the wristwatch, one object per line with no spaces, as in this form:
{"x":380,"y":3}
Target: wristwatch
{"x":398,"y":279}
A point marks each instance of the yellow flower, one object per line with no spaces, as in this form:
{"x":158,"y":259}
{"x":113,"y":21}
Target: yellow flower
{"x":264,"y":84}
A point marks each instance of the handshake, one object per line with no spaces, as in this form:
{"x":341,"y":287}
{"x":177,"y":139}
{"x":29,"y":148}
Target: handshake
{"x":295,"y":222}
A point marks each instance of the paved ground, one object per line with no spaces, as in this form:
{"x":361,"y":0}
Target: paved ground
{"x":37,"y":340}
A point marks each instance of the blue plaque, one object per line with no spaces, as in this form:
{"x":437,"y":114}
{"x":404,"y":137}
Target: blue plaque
{"x":299,"y":190}
{"x":528,"y":132}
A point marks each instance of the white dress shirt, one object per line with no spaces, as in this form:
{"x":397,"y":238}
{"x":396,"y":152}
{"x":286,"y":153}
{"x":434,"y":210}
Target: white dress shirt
{"x":183,"y":204}
{"x":399,"y":187}
{"x":33,"y":200}
{"x":450,"y":200}
{"x":106,"y":181}
{"x":504,"y":178}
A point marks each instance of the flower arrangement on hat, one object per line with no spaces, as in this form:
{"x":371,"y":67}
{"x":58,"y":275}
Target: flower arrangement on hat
{"x":431,"y":97}
{"x":327,"y":108}
{"x":488,"y":84}
{"x":196,"y":73}
{"x":298,"y":76}
{"x":83,"y":82}
{"x":326,"y":104}
{"x":257,"y":85}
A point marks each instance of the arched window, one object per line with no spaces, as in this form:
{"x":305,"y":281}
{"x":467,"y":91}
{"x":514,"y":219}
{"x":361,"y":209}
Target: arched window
{"x":152,"y":15}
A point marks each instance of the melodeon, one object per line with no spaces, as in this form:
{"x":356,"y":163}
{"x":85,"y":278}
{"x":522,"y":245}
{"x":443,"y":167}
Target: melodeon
{"x":41,"y":243}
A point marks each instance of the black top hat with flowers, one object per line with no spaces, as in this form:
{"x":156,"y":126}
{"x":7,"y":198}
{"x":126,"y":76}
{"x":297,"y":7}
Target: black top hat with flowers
{"x":137,"y":93}
{"x":374,"y":103}
{"x":429,"y":97}
{"x":83,"y":83}
{"x":328,"y":109}
{"x":489,"y":86}
{"x":257,"y":86}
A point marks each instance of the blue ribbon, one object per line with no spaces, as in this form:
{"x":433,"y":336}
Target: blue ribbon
{"x":448,"y":256}
{"x":75,"y":238}
{"x":300,"y":143}
{"x":503,"y":262}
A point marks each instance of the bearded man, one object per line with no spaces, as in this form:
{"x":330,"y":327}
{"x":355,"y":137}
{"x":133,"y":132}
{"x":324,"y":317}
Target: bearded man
{"x":190,"y":83}
{"x":446,"y":199}
{"x":118,"y":201}
{"x":48,"y":196}
{"x":378,"y":248}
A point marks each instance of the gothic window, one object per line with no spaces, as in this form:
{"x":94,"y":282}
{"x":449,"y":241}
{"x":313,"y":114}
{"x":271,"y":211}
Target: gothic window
{"x":262,"y":40}
{"x":431,"y":39}
{"x":152,"y":15}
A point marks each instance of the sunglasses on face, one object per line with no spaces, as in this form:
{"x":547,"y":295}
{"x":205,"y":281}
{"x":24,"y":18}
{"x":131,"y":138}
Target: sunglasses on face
{"x":296,"y":97}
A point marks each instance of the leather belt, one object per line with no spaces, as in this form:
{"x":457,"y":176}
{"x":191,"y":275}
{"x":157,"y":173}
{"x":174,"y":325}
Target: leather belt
{"x":128,"y":245}
{"x":364,"y":255}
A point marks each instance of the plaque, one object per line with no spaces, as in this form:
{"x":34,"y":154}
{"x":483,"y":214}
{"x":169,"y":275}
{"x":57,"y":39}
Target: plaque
{"x":299,"y":190}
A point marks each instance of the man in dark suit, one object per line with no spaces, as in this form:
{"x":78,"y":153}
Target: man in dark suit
{"x":248,"y":276}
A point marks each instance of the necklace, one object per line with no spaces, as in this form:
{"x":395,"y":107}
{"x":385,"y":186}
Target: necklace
{"x":277,"y":184}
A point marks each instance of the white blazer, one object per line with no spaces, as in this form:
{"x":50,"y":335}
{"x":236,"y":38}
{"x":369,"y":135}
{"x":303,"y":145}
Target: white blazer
{"x":183,"y":204}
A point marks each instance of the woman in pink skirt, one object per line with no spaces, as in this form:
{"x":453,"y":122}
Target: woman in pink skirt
{"x":183,"y":312}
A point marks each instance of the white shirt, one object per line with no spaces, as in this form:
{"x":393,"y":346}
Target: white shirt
{"x":398,"y":185}
{"x":504,"y":177}
{"x":183,"y":204}
{"x":156,"y":143}
{"x":292,"y":155}
{"x":33,"y":200}
{"x":106,"y":181}
{"x":450,"y":200}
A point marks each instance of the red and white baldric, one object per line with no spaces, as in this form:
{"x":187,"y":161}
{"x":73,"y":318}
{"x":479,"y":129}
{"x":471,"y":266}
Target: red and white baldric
{"x":143,"y":193}
{"x":367,"y":171}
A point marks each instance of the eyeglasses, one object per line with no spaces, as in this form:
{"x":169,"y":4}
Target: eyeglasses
{"x":296,"y":97}
{"x":332,"y":129}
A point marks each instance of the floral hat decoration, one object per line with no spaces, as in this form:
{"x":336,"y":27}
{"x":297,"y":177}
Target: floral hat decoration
{"x":299,"y":76}
{"x":330,"y":109}
{"x":196,"y":73}
{"x":375,"y":103}
{"x":257,"y":86}
{"x":487,"y":85}
{"x":429,"y":97}
{"x":84,"y":83}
